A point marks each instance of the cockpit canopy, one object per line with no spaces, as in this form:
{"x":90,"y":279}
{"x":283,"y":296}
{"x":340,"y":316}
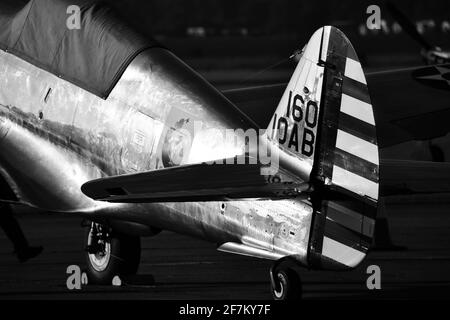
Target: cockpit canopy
{"x":92,"y":57}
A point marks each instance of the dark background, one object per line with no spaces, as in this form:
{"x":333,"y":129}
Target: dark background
{"x":231,"y":41}
{"x":287,"y":23}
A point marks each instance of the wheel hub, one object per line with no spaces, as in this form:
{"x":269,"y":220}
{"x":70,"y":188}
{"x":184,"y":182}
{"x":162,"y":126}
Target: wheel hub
{"x":279,"y":292}
{"x":99,"y":247}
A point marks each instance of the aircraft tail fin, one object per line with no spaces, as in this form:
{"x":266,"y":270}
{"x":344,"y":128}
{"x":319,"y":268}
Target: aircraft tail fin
{"x":324,"y":132}
{"x":325,"y":119}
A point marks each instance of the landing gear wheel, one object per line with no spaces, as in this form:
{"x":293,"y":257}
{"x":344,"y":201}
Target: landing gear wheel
{"x":110,"y":254}
{"x":287,"y":285}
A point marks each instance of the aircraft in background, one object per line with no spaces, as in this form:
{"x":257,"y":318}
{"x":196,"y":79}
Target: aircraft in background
{"x":108,"y":125}
{"x":430,"y":53}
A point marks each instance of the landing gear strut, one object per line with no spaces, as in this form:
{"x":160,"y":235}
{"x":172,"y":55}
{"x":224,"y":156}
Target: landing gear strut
{"x":110,"y":254}
{"x":285,"y":282}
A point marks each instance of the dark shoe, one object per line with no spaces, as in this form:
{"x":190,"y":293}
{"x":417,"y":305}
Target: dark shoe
{"x":29,"y":253}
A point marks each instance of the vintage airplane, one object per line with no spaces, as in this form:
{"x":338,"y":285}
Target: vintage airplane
{"x":106,"y":124}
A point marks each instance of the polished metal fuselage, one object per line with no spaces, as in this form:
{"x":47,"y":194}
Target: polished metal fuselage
{"x":55,"y":136}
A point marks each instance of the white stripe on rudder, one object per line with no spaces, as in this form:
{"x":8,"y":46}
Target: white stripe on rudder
{"x":354,"y":71}
{"x":358,"y":147}
{"x":354,"y":183}
{"x":341,"y":253}
{"x":357,"y":109}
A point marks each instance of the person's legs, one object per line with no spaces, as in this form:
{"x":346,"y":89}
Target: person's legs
{"x":13,"y":231}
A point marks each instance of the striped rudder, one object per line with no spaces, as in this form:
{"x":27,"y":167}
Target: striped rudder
{"x":346,"y":164}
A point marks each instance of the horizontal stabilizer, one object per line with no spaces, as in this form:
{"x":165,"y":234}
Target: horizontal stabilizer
{"x":197,"y":182}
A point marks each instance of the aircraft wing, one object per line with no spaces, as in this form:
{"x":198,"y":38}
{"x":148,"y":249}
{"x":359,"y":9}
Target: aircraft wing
{"x":197,"y":182}
{"x":232,"y":182}
{"x":409,"y":104}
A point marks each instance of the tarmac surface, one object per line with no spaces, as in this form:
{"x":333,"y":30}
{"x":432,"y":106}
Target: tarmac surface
{"x":186,"y":268}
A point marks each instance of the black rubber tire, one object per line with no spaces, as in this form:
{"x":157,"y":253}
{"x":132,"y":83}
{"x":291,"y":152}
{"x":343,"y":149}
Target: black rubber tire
{"x":124,"y":259}
{"x":289,"y":283}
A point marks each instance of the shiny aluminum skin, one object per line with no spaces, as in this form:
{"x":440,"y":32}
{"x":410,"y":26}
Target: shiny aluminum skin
{"x":55,"y":136}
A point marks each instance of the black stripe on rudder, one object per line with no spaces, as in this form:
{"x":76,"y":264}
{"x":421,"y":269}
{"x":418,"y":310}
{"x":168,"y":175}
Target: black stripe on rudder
{"x":356,"y":89}
{"x":350,"y":219}
{"x":346,"y":236}
{"x":358,"y":128}
{"x":357,"y":206}
{"x":350,"y":201}
{"x":351,"y":53}
{"x":356,"y":165}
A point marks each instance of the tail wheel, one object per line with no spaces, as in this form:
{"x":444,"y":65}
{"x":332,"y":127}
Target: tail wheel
{"x":286,"y":285}
{"x":109,"y":254}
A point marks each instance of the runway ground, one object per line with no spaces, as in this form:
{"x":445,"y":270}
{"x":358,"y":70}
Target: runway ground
{"x":185,"y":268}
